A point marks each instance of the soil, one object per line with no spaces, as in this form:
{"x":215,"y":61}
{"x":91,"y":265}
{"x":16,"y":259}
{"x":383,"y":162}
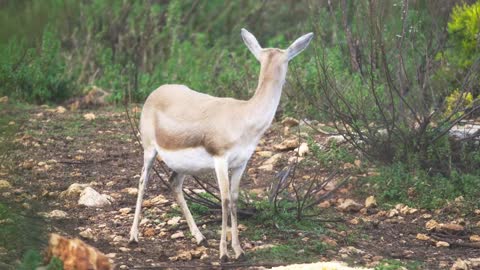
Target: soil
{"x":104,"y":153}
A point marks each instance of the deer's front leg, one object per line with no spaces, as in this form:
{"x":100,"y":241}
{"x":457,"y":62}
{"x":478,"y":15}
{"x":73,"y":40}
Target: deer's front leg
{"x":221,"y":170}
{"x":235,"y":184}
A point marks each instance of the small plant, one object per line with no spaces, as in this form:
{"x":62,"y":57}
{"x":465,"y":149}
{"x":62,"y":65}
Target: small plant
{"x":32,"y":260}
{"x":457,"y":99}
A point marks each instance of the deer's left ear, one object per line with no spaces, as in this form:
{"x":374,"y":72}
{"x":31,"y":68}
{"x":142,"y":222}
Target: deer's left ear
{"x":299,"y":45}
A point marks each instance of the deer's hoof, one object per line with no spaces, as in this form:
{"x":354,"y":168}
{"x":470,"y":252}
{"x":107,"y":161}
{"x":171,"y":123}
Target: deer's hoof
{"x":224,"y":258}
{"x":203,"y":242}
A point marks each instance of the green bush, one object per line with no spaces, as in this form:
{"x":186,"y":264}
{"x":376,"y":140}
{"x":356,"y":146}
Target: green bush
{"x":32,"y":259}
{"x":415,"y":187}
{"x":34,"y":75}
{"x":464,"y":31}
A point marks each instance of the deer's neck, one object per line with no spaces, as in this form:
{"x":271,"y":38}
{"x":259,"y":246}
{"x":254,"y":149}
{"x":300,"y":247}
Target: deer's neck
{"x":264,"y":102}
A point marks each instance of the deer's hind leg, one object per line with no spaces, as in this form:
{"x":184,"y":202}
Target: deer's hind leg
{"x":149,"y":155}
{"x":178,"y":190}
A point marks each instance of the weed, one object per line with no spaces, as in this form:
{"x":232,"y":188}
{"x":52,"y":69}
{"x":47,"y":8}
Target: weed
{"x":398,"y":265}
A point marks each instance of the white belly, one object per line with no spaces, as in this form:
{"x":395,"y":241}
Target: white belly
{"x":197,"y":160}
{"x":187,"y":161}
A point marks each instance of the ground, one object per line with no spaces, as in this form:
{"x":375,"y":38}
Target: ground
{"x":50,"y":149}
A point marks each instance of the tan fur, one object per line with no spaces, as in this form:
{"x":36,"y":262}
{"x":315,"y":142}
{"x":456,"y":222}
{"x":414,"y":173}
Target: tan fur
{"x":75,"y":254}
{"x":216,"y":124}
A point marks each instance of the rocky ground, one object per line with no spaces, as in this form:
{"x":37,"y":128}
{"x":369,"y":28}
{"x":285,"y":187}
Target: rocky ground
{"x":80,"y":170}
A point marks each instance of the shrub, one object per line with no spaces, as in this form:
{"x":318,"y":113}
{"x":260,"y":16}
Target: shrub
{"x":33,"y":75}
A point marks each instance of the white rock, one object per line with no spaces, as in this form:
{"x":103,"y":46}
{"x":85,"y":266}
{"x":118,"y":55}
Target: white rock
{"x":125,"y":211}
{"x":350,"y":205}
{"x":173,"y":221}
{"x":73,"y":191}
{"x":56,"y":214}
{"x":87,"y":234}
{"x":303,"y":149}
{"x":177,"y":235}
{"x":335,"y":138}
{"x":91,"y":198}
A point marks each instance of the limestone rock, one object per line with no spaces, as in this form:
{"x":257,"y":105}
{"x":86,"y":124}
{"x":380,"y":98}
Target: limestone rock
{"x":442,"y":244}
{"x":350,"y":205}
{"x":370,"y":202}
{"x":73,"y":191}
{"x":265,"y":154}
{"x":177,"y":235}
{"x":290,"y":122}
{"x":56,"y":214}
{"x":286,"y":145}
{"x":87,"y":234}
{"x":4,"y":184}
{"x":303,"y":150}
{"x":89,"y":116}
{"x":91,"y":198}
{"x":422,"y":237}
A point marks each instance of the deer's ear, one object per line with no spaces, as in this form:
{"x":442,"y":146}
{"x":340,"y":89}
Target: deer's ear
{"x":251,"y":43}
{"x":299,"y":45}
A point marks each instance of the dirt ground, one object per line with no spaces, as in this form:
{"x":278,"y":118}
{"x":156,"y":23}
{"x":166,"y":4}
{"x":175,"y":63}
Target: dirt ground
{"x":56,"y":149}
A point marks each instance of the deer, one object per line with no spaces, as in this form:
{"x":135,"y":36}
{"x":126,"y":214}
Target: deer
{"x":193,"y":132}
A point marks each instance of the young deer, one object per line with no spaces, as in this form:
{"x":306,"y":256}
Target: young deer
{"x":194,"y":132}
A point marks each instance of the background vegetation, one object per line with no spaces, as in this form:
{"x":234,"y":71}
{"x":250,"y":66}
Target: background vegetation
{"x":393,"y":77}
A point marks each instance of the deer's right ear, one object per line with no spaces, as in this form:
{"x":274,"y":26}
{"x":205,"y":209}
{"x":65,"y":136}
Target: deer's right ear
{"x":251,"y":43}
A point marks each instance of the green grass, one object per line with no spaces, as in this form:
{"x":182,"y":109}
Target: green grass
{"x":397,"y":184}
{"x":398,"y":265}
{"x":292,"y":251}
{"x":21,"y":230}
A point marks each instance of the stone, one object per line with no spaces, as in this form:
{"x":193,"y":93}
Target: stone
{"x":286,"y":145}
{"x":303,"y":150}
{"x":273,"y":160}
{"x":4,"y":100}
{"x":431,"y":225}
{"x":422,"y":237}
{"x":268,"y":167}
{"x":73,"y":191}
{"x":475,"y":238}
{"x":173,"y":221}
{"x":370,"y":202}
{"x":335,"y":138}
{"x":331,"y":242}
{"x":4,"y":184}
{"x":160,"y":199}
{"x":57,"y":214}
{"x":130,"y":191}
{"x":350,"y":205}
{"x":89,"y":116}
{"x":290,"y":122}
{"x":149,"y":232}
{"x":125,"y":211}
{"x":87,"y":234}
{"x":177,"y":235}
{"x":124,"y":249}
{"x":265,"y":154}
{"x":442,"y":244}
{"x":182,"y":256}
{"x":324,"y":204}
{"x":91,"y":198}
{"x":451,"y":227}
{"x":60,"y":109}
